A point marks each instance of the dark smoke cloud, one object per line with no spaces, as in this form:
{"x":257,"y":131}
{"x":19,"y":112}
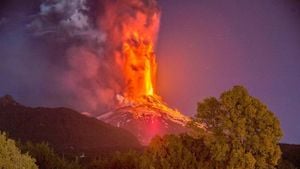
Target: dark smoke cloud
{"x":63,"y":52}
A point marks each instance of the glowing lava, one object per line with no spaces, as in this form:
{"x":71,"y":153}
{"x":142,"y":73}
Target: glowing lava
{"x":139,"y":65}
{"x":139,"y":109}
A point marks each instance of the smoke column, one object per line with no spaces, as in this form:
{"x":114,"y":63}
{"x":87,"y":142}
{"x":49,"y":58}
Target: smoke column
{"x":94,"y":34}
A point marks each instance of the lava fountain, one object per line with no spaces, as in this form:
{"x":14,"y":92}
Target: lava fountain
{"x":139,"y":65}
{"x":140,"y":109}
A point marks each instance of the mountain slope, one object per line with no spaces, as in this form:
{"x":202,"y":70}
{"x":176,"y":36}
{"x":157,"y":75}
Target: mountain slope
{"x":146,"y":118}
{"x":65,"y":129}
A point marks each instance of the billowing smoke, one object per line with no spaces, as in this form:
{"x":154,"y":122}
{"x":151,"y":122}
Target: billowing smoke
{"x":87,"y":70}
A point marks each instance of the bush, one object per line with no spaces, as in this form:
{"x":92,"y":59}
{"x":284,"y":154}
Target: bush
{"x":47,"y":158}
{"x":11,"y":157}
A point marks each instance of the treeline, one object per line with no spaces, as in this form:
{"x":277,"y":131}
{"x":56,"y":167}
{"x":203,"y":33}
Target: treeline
{"x":15,"y":155}
{"x":237,"y":131}
{"x":168,"y":152}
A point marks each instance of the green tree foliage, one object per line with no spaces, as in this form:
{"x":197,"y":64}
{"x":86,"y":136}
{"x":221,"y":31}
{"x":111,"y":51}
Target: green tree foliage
{"x":47,"y":158}
{"x":169,"y":152}
{"x":242,"y":133}
{"x":11,"y":157}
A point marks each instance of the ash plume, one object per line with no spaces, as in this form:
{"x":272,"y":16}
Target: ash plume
{"x":82,"y":45}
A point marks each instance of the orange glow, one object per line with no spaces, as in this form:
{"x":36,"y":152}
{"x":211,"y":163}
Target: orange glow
{"x":136,"y":59}
{"x":139,"y":66}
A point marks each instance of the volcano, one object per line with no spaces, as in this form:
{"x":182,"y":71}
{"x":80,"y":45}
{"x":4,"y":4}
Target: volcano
{"x":146,"y":118}
{"x":138,"y":107}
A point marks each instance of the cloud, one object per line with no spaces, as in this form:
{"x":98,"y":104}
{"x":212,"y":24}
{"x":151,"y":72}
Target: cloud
{"x":66,"y":18}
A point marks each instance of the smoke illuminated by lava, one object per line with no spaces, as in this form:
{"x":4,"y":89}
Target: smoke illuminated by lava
{"x":139,"y":66}
{"x":107,"y":61}
{"x":138,"y":58}
{"x":137,"y":25}
{"x":111,"y":56}
{"x":132,"y":25}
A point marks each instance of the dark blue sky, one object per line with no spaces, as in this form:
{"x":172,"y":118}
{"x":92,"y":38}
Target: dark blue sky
{"x":204,"y":48}
{"x":207,"y":46}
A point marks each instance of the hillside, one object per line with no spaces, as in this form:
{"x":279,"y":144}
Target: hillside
{"x":64,"y":129}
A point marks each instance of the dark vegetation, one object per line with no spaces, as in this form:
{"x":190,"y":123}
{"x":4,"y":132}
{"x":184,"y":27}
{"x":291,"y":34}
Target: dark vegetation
{"x":47,"y":158}
{"x":290,"y":155}
{"x":240,"y":133}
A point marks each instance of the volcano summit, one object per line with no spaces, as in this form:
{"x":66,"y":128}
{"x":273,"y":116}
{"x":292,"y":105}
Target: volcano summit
{"x":146,"y":118}
{"x":138,"y":108}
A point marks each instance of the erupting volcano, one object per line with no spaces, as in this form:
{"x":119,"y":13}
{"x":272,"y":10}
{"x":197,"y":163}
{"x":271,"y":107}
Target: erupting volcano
{"x":111,"y":61}
{"x":139,"y":108}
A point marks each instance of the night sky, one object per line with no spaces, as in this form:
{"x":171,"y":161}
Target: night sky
{"x":207,"y":46}
{"x":204,"y":48}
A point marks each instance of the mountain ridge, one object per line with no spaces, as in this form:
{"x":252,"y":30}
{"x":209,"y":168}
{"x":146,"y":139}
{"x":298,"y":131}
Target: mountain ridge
{"x":63,"y":128}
